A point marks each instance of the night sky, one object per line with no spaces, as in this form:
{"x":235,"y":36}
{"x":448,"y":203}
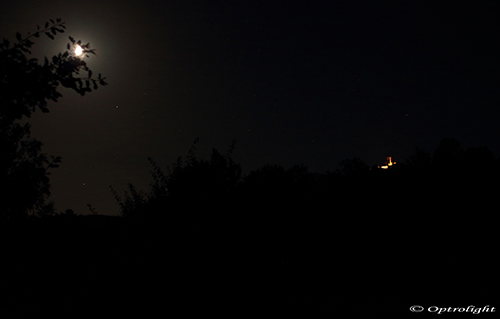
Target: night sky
{"x":293,"y":82}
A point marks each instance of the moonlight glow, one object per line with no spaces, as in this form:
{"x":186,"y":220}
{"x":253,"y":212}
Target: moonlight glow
{"x":78,"y":50}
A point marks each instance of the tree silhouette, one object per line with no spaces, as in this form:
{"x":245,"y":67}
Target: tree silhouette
{"x":135,"y":203}
{"x":447,"y":155}
{"x":194,"y":186}
{"x":201,"y":181}
{"x":27,"y":85}
{"x":419,"y":161}
{"x":354,"y":167}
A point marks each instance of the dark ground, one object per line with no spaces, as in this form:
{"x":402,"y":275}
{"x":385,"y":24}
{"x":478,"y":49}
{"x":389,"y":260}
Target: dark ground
{"x":103,"y":266}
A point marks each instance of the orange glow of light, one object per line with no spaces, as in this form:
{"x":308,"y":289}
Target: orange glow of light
{"x":388,"y":163}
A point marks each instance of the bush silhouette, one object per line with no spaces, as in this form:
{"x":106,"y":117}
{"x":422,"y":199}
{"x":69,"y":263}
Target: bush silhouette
{"x":192,"y":188}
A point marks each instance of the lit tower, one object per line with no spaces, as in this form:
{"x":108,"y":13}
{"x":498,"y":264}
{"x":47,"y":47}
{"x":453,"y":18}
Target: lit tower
{"x":388,"y":163}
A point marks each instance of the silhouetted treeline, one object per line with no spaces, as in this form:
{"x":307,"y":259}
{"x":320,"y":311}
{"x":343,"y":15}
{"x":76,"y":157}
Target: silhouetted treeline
{"x":450,"y":178}
{"x":208,"y":239}
{"x":378,"y":225}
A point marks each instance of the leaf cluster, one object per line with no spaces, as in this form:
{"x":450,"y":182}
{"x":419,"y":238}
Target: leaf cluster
{"x":27,"y":84}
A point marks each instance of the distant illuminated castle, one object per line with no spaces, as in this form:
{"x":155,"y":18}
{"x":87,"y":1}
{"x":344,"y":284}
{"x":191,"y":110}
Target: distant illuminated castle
{"x":388,"y":163}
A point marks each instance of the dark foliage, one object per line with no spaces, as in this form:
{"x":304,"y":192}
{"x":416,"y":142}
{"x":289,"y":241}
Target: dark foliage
{"x":376,"y":225}
{"x":193,"y":185}
{"x":284,"y":241}
{"x":25,"y":86}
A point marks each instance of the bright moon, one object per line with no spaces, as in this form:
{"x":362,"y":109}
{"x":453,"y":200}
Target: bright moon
{"x":78,"y":50}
